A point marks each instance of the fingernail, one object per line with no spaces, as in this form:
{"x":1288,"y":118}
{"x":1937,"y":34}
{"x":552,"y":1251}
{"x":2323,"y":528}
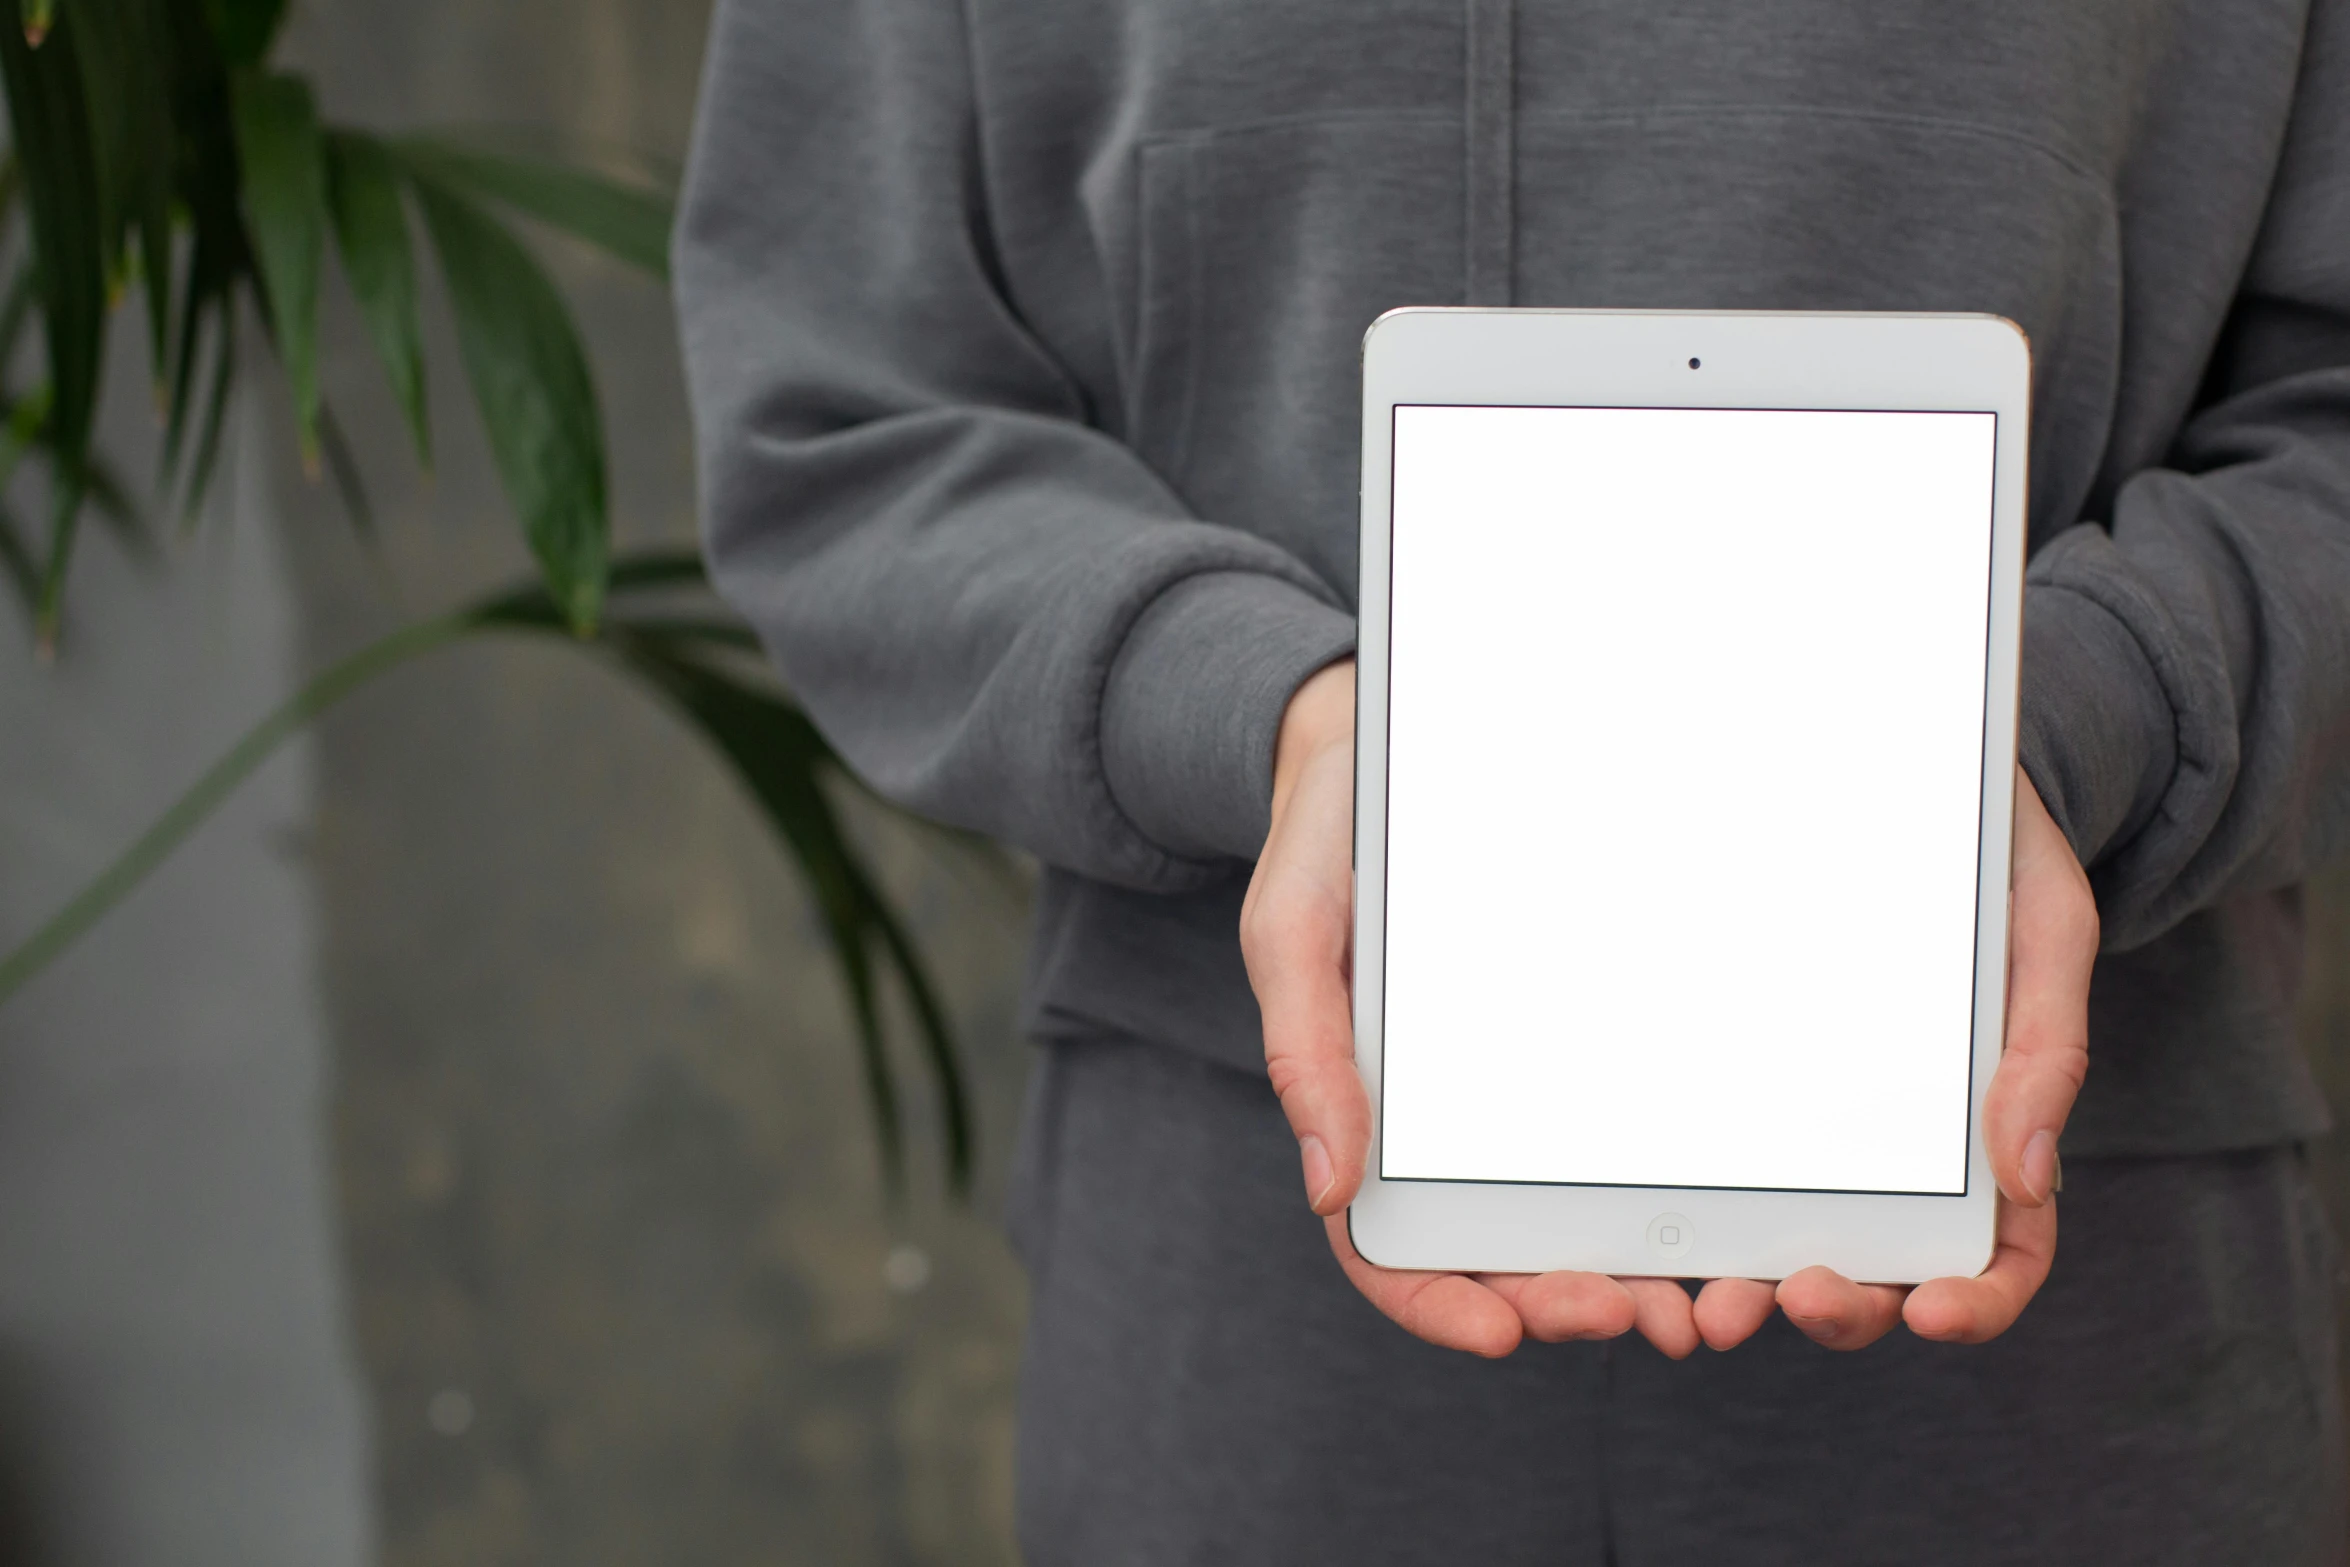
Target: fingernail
{"x":1818,"y":1329}
{"x":2042,"y":1174}
{"x":1319,"y":1176}
{"x":2058,"y":1184}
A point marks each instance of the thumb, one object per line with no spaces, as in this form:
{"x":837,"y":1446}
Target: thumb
{"x":2053,"y":945}
{"x":1296,"y":933}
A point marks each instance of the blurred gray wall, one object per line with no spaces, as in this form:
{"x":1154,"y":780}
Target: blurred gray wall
{"x":176,"y":1381}
{"x":620,"y":1259}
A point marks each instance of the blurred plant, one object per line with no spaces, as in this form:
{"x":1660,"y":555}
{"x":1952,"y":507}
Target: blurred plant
{"x":154,"y":149}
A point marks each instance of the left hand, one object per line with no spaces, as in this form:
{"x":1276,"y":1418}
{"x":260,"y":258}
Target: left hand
{"x":1296,"y":933}
{"x":2053,"y":943}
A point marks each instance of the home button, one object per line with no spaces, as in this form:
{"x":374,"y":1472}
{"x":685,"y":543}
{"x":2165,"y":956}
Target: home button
{"x":1670,"y":1235}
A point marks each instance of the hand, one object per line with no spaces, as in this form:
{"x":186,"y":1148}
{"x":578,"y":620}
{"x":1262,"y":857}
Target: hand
{"x":2053,"y":943}
{"x":1297,"y":933}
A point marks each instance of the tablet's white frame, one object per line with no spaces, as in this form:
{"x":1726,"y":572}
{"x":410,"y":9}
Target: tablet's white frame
{"x":1574,"y":358}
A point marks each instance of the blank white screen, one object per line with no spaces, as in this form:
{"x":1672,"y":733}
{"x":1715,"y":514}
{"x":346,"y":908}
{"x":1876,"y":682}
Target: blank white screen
{"x":1684,"y":796}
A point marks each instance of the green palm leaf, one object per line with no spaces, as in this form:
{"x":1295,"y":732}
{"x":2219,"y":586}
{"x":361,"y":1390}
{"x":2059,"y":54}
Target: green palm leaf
{"x":530,"y":378}
{"x":244,"y":29}
{"x":371,"y":235}
{"x":123,"y":47}
{"x":207,"y":192}
{"x":222,"y":384}
{"x":17,"y":561}
{"x":205,"y":296}
{"x":284,"y":156}
{"x":628,"y":222}
{"x":16,"y":308}
{"x":50,"y":125}
{"x":782,"y":762}
{"x":145,"y":34}
{"x":342,"y":466}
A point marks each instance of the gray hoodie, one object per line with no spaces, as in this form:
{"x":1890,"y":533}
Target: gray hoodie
{"x":1023,"y":342}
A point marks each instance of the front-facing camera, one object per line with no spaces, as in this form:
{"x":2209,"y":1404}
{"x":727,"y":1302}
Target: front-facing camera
{"x":1692,"y":364}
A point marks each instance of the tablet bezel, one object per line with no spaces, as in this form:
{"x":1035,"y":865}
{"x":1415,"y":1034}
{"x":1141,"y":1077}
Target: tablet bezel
{"x":1767,"y":360}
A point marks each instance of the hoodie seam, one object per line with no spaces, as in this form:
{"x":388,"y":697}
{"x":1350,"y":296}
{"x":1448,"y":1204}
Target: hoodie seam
{"x":1488,"y":151}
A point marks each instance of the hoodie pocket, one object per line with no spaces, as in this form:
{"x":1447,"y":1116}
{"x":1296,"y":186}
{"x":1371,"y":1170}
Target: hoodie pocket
{"x":1266,"y":249}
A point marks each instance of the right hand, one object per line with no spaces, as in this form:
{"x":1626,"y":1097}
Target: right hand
{"x":1297,"y":935}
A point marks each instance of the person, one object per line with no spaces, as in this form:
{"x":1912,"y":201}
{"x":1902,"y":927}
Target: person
{"x":1022,"y":337}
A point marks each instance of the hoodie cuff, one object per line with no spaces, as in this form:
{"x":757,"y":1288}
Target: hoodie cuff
{"x":1194,"y":704}
{"x":2097,"y":736}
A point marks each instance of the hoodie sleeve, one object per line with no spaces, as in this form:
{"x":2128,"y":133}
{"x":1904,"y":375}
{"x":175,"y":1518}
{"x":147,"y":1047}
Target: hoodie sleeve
{"x":1001,"y":616}
{"x":2186,"y":708}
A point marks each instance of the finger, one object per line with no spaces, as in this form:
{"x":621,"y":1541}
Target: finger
{"x":1664,"y":1315}
{"x":1970,"y":1311}
{"x":1831,"y":1310}
{"x":1728,"y":1311}
{"x":1447,"y":1309}
{"x":1557,"y":1307}
{"x":1296,"y":926}
{"x":2053,"y":945}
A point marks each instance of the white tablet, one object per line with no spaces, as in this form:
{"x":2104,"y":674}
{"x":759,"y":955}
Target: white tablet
{"x":1685,"y":765}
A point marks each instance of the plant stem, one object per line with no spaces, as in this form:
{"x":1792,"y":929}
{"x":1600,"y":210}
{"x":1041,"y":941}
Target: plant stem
{"x":338,"y":680}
